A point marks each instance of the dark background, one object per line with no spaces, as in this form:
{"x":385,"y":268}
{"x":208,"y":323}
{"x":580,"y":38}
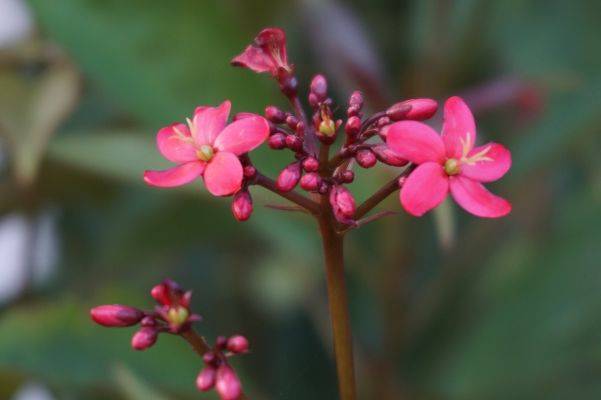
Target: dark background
{"x":443,"y":307}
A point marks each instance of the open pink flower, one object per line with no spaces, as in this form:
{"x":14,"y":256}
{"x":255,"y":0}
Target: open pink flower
{"x":207,"y":147}
{"x":266,"y":54}
{"x":450,"y":162}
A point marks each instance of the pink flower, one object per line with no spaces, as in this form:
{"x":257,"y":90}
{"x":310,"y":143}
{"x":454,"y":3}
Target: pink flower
{"x":449,"y":162}
{"x":266,"y":54}
{"x":208,"y":147}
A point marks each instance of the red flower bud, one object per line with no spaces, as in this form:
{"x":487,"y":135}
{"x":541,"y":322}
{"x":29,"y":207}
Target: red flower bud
{"x":144,"y":338}
{"x":398,"y":111}
{"x":419,"y":109}
{"x":387,"y":156}
{"x":289,"y":177}
{"x":274,"y":114}
{"x":227,"y":383}
{"x":242,"y":205}
{"x":277,"y":141}
{"x":319,"y":87}
{"x":161,"y":294}
{"x":291,"y":121}
{"x":366,"y":158}
{"x":116,"y":315}
{"x":353,"y":126}
{"x":356,"y":99}
{"x":343,"y":203}
{"x":221,"y":342}
{"x":288,"y":83}
{"x":313,"y":100}
{"x":250,"y":171}
{"x":206,"y":379}
{"x":347,"y":176}
{"x":237,"y":344}
{"x":310,"y":164}
{"x":310,"y":181}
{"x":294,"y":142}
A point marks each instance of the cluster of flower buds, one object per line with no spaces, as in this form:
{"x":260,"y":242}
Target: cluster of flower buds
{"x":172,"y":315}
{"x":217,"y":373}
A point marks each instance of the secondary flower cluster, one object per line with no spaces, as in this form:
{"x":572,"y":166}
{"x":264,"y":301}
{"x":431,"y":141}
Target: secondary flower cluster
{"x":432,"y":165}
{"x":172,"y":315}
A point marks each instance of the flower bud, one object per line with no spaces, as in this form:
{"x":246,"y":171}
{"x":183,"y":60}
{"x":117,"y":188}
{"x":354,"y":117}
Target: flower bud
{"x":382,"y":122}
{"x":419,"y":109}
{"x":206,"y":379}
{"x":347,"y":176}
{"x":291,"y":121}
{"x":310,"y":181}
{"x":387,"y":156}
{"x":237,"y":344}
{"x":250,"y":171}
{"x":356,"y":100}
{"x":242,"y":205}
{"x":353,"y":126}
{"x":161,"y":293}
{"x":221,"y":342}
{"x":210,"y":358}
{"x":319,"y":87}
{"x":294,"y":143}
{"x":144,"y":338}
{"x":274,"y":114}
{"x":116,"y":315}
{"x":343,"y":203}
{"x":288,"y":84}
{"x":310,"y":164}
{"x":227,"y":383}
{"x":324,"y":187}
{"x":366,"y":158}
{"x":313,"y":100}
{"x":277,"y":141}
{"x":289,"y":177}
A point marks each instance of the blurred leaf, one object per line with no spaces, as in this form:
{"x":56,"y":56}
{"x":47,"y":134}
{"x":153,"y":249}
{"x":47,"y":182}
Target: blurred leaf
{"x":132,"y":387}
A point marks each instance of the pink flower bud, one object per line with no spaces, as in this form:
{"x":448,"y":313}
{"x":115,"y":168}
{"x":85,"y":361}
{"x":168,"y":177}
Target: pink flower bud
{"x":249,"y":171}
{"x":313,"y":100}
{"x":144,"y":338}
{"x":310,"y":164}
{"x":210,"y":358}
{"x":116,"y":315}
{"x":387,"y":156}
{"x":161,"y":294}
{"x":319,"y":87}
{"x":291,"y":121}
{"x":353,"y":126}
{"x":274,"y":114}
{"x":288,"y":83}
{"x":356,"y":100}
{"x":227,"y":383}
{"x":347,"y":176}
{"x":277,"y":141}
{"x":420,"y":109}
{"x":366,"y":158}
{"x":343,"y":203}
{"x":221,"y":342}
{"x":237,"y":344}
{"x":242,"y":205}
{"x":310,"y":181}
{"x":294,"y":142}
{"x":289,"y":177}
{"x":206,"y":379}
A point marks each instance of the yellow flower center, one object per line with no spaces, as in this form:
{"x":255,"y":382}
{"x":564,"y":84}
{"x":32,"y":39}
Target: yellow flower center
{"x":178,"y":315}
{"x":205,"y":153}
{"x":451,"y":166}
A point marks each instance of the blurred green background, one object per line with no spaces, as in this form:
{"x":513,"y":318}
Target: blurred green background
{"x":443,"y":307}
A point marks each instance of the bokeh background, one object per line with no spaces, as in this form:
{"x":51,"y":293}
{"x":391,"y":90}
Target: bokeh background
{"x":443,"y":307}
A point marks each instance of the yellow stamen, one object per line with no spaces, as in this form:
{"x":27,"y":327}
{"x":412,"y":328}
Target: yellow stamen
{"x":205,"y":153}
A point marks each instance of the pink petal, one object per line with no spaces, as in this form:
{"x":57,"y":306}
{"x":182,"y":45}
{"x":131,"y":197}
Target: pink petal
{"x":171,"y":145}
{"x":491,"y":168}
{"x":209,"y":121}
{"x":176,"y":176}
{"x":424,"y":189}
{"x":415,"y":142}
{"x":476,"y":199}
{"x":243,"y":135}
{"x":458,"y":127}
{"x":255,"y":59}
{"x":223,"y":175}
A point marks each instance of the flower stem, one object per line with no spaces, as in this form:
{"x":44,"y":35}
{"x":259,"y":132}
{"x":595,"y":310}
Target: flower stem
{"x":338,"y":304}
{"x":385,"y":191}
{"x":293,"y":196}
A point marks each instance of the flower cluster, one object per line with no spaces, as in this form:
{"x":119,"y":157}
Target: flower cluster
{"x":430,"y":165}
{"x":172,"y":315}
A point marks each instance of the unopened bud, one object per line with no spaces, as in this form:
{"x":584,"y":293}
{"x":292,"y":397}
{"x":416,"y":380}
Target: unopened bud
{"x":382,"y":122}
{"x":398,"y":111}
{"x":387,"y":156}
{"x":250,"y":171}
{"x":289,"y":177}
{"x":277,"y":141}
{"x":313,"y":100}
{"x":366,"y":158}
{"x":343,"y":203}
{"x":144,"y":338}
{"x":353,"y":126}
{"x":288,"y":85}
{"x":310,"y":164}
{"x":210,"y":358}
{"x":237,"y":344}
{"x":356,"y":100}
{"x":274,"y":114}
{"x":116,"y":315}
{"x":324,"y":187}
{"x":414,"y":109}
{"x":347,"y":176}
{"x":291,"y":121}
{"x":242,"y":205}
{"x":319,"y":87}
{"x":221,"y":342}
{"x":294,"y":143}
{"x":310,"y":181}
{"x":227,"y":383}
{"x":206,"y":379}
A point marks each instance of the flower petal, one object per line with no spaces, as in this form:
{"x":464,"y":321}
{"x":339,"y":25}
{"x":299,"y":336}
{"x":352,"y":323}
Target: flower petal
{"x":223,"y":175}
{"x":267,"y":53}
{"x":495,"y":163}
{"x":476,"y":199}
{"x":209,"y":121}
{"x":255,"y":59}
{"x":458,"y":128}
{"x":243,"y":135}
{"x":424,"y":189}
{"x":175,"y":143}
{"x":415,"y":142}
{"x":176,"y":176}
